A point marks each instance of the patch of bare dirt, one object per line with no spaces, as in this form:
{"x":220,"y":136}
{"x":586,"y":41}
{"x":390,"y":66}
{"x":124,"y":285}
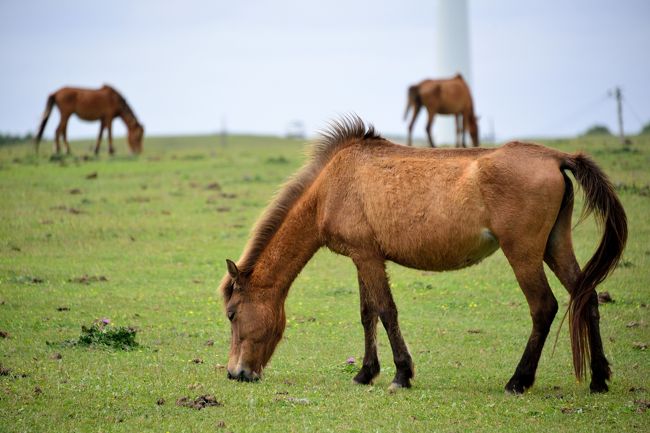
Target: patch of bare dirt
{"x":87,"y":279}
{"x":138,"y":199}
{"x":642,"y":405}
{"x":199,"y":402}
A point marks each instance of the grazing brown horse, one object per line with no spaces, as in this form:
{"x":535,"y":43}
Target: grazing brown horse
{"x":450,"y":96}
{"x":103,"y":104}
{"x":371,"y":200}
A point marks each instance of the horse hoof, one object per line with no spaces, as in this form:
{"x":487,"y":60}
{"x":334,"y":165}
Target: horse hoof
{"x":598,"y":387}
{"x":515,"y":388}
{"x":395,"y":386}
{"x":360,"y":383}
{"x":365,"y":377}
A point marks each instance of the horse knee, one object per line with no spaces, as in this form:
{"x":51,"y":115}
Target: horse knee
{"x":388,"y":315}
{"x":544,"y":312}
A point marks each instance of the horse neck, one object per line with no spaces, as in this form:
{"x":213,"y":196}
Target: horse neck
{"x":129,"y":120}
{"x":288,"y":251}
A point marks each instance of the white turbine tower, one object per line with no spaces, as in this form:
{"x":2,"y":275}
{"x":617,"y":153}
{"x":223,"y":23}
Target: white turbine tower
{"x":452,"y":56}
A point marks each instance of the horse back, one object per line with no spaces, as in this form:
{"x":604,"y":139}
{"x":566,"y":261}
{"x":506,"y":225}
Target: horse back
{"x":88,"y":104}
{"x":434,"y":209}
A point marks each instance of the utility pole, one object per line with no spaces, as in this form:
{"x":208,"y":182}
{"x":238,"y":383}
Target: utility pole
{"x":224,"y":132}
{"x":619,"y":109}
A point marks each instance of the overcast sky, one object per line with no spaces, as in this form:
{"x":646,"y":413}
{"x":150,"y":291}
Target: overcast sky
{"x":540,"y":68}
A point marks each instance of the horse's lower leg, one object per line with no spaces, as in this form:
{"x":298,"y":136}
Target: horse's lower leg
{"x":458,"y":130}
{"x":600,"y":371}
{"x":370,"y":368}
{"x":416,"y":111}
{"x":57,"y":137}
{"x":463,"y":124}
{"x":543,"y":307}
{"x":401,"y":356}
{"x":99,"y":138}
{"x":65,"y":138}
{"x":374,"y":278}
{"x":428,"y":128}
{"x":561,"y":259}
{"x":109,"y":127}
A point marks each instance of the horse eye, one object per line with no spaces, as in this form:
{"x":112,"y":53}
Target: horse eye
{"x":231,"y":315}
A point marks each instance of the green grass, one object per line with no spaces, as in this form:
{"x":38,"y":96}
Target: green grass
{"x":158,"y":229}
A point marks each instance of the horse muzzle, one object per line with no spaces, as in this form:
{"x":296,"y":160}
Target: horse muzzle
{"x":244,"y":376}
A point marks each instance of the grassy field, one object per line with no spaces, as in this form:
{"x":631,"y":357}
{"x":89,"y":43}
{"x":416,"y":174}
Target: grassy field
{"x":142,"y":241}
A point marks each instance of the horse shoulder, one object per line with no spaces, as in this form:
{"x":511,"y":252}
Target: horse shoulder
{"x":341,"y":219}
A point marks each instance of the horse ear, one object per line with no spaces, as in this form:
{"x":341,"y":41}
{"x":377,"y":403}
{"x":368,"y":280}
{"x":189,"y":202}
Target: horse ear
{"x":232,"y":270}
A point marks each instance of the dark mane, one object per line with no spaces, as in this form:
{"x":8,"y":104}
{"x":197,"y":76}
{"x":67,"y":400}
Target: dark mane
{"x":340,"y":133}
{"x":126,"y":108}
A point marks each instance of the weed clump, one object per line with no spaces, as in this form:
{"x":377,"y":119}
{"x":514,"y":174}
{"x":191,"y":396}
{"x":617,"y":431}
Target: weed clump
{"x":102,"y":333}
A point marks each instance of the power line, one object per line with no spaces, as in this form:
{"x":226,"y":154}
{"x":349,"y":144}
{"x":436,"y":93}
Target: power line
{"x":579,"y":112}
{"x":629,"y":106}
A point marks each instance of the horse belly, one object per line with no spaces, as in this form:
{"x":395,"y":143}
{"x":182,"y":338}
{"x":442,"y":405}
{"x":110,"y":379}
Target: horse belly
{"x":435,"y":228}
{"x":93,"y":107}
{"x":439,"y":251}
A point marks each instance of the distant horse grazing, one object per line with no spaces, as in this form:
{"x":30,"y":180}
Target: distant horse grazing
{"x":450,"y":96}
{"x":103,"y":104}
{"x":372,"y":200}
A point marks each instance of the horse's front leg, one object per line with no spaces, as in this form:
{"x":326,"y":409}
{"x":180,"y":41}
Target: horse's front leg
{"x":373,"y":275}
{"x":99,"y":137}
{"x":109,"y":128}
{"x":370,"y":368}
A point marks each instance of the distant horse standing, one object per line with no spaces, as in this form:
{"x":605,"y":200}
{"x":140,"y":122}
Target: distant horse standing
{"x":104,"y":104}
{"x":450,"y":96}
{"x":372,"y":200}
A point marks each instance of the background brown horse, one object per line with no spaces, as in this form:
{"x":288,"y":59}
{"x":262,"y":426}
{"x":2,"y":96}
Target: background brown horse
{"x":371,"y":200}
{"x":449,"y":96}
{"x":104,"y":104}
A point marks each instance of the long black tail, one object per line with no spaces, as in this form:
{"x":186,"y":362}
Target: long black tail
{"x":44,"y":117}
{"x":413,"y":100}
{"x":601,"y":199}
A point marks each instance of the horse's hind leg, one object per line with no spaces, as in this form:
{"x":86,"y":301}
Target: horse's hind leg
{"x":99,"y":137}
{"x":65,"y":137}
{"x":429,"y":126}
{"x":561,"y":259}
{"x":372,"y":274}
{"x":543,"y":307}
{"x":370,"y":368}
{"x":459,"y":131}
{"x":109,"y":126}
{"x":60,"y":131}
{"x":416,"y":111}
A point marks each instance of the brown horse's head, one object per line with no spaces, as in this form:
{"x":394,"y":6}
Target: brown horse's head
{"x":473,"y":130}
{"x":136,"y":134}
{"x":256,"y":325}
